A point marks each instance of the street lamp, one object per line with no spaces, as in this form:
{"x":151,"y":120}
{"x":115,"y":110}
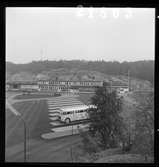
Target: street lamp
{"x":15,"y":112}
{"x":71,"y":147}
{"x":25,"y":141}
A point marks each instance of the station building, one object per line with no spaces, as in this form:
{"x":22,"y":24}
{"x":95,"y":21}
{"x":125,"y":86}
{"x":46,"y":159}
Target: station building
{"x":60,"y":86}
{"x":71,"y":86}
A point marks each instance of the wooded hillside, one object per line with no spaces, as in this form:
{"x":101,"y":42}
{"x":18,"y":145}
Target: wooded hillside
{"x":139,"y":69}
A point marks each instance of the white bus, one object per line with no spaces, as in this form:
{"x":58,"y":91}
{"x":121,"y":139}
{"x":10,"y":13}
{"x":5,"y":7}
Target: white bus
{"x":73,"y":113}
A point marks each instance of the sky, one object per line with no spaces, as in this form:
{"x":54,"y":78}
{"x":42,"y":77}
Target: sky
{"x":110,"y":34}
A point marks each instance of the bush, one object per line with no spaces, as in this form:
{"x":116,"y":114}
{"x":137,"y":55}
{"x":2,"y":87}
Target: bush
{"x":89,"y":144}
{"x":144,"y":127}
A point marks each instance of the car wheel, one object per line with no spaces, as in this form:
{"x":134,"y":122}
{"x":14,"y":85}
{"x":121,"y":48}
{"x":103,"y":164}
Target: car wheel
{"x":67,"y":120}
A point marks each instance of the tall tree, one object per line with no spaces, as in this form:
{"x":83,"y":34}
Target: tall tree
{"x":144,"y":127}
{"x":106,"y":122}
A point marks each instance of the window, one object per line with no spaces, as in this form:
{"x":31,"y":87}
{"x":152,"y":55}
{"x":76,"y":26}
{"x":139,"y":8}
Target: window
{"x":79,"y":111}
{"x":70,"y":112}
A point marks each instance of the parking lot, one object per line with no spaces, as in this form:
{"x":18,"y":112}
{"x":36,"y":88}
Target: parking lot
{"x":41,"y":117}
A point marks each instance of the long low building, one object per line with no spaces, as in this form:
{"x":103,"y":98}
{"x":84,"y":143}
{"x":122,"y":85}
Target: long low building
{"x":59,"y":86}
{"x":53,"y":85}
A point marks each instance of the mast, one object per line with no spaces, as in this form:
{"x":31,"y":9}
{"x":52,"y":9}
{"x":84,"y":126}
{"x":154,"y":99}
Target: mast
{"x":129,"y":83}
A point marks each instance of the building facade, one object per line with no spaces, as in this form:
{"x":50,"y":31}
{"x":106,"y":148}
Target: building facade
{"x":22,"y":85}
{"x":59,"y":86}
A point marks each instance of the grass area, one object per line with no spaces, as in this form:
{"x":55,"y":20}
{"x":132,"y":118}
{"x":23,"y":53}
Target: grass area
{"x":112,"y":155}
{"x":85,"y":97}
{"x":35,"y":115}
{"x":32,"y":96}
{"x":125,"y":158}
{"x":9,"y":94}
{"x":57,"y":150}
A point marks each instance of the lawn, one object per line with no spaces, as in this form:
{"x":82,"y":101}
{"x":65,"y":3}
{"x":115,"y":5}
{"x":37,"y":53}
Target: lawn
{"x":125,"y":158}
{"x":85,"y":97}
{"x":35,"y":114}
{"x":32,"y":96}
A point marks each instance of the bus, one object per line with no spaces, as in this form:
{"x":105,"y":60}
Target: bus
{"x":74,"y":113}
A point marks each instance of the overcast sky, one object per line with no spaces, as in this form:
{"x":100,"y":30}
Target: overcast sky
{"x":60,"y":33}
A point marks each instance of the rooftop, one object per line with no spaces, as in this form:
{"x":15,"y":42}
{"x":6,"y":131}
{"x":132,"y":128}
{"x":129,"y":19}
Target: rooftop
{"x":76,"y":107}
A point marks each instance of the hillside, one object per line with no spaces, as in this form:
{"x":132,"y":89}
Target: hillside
{"x":78,"y":75}
{"x":140,"y":69}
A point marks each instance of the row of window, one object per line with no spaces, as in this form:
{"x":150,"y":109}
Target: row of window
{"x":52,"y":87}
{"x":71,"y":112}
{"x":74,"y":83}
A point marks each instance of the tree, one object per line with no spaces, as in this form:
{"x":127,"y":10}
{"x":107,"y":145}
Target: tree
{"x":23,"y":76}
{"x":139,"y":69}
{"x":90,"y":145}
{"x":144,"y":126}
{"x":106,"y":122}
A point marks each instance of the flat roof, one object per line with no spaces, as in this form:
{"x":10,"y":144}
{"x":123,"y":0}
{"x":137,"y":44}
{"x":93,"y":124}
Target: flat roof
{"x":75,"y":107}
{"x":70,"y":80}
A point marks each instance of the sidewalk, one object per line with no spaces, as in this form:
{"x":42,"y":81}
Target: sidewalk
{"x":63,"y":132}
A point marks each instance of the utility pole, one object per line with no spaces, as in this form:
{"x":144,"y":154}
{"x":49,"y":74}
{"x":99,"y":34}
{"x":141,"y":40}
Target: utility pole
{"x":71,"y":147}
{"x":14,"y":111}
{"x":111,"y":86}
{"x":129,"y":84}
{"x":25,"y":141}
{"x":41,"y":52}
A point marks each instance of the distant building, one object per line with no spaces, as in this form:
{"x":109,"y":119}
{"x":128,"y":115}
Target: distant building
{"x":70,"y":86}
{"x":61,"y":86}
{"x":22,"y":85}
